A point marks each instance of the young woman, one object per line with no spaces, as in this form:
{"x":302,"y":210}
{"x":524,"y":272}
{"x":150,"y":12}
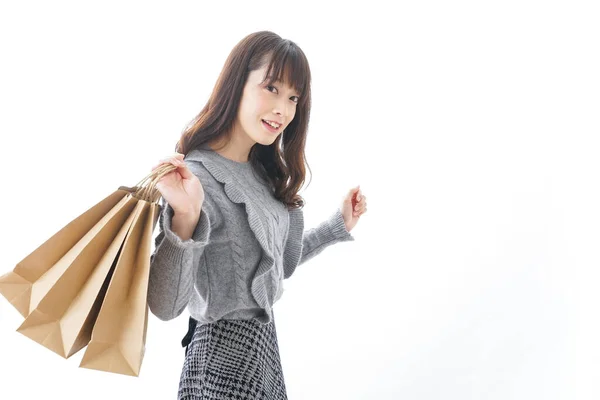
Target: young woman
{"x":232,"y":227}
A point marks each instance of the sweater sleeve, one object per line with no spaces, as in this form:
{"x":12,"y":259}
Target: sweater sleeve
{"x":173,"y":263}
{"x":315,"y":240}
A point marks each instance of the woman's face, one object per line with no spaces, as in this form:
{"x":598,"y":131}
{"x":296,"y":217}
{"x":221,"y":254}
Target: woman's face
{"x":260,"y":102}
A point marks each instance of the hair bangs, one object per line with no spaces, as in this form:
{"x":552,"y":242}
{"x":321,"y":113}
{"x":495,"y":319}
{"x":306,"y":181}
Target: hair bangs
{"x":290,"y":66}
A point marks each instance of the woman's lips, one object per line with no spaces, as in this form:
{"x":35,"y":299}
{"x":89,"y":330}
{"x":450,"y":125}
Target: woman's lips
{"x":269,"y":127}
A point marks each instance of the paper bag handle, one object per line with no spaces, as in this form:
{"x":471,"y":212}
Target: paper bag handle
{"x":146,"y":188}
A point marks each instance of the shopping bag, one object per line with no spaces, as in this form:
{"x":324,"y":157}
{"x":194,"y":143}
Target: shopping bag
{"x":63,"y":318}
{"x":33,"y":276}
{"x":119,"y":334}
{"x":61,"y":286}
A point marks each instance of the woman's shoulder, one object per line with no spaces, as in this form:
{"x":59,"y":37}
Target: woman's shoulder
{"x":199,"y":162}
{"x":218,"y":174}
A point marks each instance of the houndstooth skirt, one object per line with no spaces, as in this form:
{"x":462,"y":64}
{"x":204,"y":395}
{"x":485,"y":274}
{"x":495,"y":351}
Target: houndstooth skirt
{"x":232,"y":359}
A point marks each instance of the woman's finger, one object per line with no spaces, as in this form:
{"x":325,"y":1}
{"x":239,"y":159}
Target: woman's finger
{"x":174,"y":160}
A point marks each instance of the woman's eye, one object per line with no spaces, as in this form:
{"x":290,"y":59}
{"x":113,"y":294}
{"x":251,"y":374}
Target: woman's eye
{"x":271,"y":88}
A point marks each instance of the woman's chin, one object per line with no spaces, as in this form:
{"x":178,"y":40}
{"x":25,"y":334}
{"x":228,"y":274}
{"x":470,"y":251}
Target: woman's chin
{"x":267,"y":139}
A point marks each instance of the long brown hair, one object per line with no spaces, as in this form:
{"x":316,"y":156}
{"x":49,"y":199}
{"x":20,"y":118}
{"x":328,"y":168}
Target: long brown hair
{"x":282,"y":163}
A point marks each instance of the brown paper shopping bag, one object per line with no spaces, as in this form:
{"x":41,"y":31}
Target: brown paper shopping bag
{"x":60,"y":287}
{"x":119,"y":334}
{"x":33,"y":276}
{"x":63,"y":318}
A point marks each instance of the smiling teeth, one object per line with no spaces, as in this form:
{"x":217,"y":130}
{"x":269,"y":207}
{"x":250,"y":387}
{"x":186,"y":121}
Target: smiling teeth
{"x":274,"y":125}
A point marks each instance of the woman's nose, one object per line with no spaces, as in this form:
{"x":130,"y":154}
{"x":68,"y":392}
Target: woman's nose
{"x":282,"y":109}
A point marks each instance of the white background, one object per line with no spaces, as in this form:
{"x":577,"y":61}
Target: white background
{"x":472,"y":128}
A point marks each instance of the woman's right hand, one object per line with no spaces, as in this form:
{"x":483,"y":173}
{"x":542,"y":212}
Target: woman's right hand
{"x":181,"y":188}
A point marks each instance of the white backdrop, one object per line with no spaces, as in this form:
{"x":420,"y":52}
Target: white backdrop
{"x":471,"y":127}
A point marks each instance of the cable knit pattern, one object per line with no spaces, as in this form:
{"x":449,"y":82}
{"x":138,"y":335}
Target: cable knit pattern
{"x":236,"y":247}
{"x":261,"y":287}
{"x":245,"y":244}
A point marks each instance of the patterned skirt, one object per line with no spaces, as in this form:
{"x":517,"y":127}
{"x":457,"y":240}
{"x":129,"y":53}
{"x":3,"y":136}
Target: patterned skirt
{"x":232,"y":359}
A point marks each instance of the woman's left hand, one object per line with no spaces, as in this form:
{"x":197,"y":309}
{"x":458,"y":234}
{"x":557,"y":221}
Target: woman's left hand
{"x":353,"y":207}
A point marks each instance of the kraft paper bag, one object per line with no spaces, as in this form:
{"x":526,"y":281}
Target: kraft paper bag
{"x":119,"y":334}
{"x":64,"y":317}
{"x":88,"y":283}
{"x":33,"y":277}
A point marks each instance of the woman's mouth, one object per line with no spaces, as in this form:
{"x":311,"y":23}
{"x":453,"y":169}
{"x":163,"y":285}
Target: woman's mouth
{"x":274,"y":128}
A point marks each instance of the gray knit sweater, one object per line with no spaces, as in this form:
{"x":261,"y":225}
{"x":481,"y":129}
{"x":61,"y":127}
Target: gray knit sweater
{"x":245,"y":244}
